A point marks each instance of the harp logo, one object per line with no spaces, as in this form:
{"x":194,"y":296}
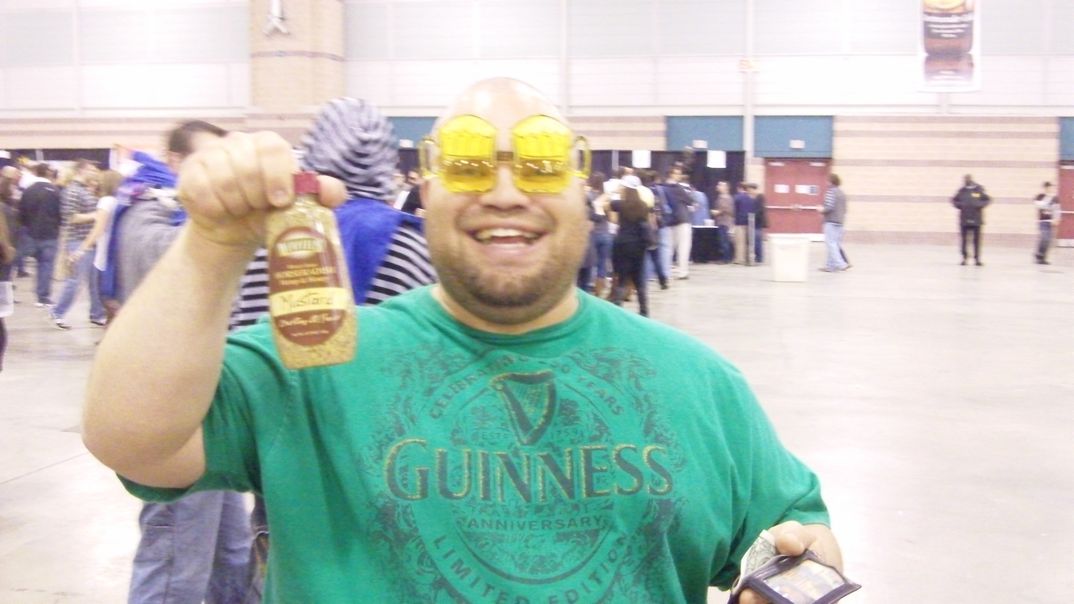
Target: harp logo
{"x":531,"y":402}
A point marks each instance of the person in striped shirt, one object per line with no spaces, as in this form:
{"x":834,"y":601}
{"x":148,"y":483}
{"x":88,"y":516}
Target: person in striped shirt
{"x":385,"y":248}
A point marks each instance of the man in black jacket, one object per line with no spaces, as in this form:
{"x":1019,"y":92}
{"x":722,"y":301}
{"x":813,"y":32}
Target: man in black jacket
{"x":39,"y":213}
{"x":970,"y":201}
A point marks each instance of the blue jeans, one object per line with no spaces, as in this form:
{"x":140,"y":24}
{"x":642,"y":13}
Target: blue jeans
{"x":192,"y":550}
{"x":725,"y":251}
{"x":44,"y":251}
{"x":833,"y":238}
{"x":23,"y":242}
{"x":659,"y":260}
{"x":1045,"y":241}
{"x":604,"y":253}
{"x":82,"y":270}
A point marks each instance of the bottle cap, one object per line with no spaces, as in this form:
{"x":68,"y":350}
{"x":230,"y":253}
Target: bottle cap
{"x":306,"y":183}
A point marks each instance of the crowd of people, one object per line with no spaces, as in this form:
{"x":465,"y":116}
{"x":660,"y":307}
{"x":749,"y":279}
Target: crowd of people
{"x":508,"y":249}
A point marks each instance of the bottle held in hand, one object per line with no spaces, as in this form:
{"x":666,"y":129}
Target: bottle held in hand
{"x":310,"y":301}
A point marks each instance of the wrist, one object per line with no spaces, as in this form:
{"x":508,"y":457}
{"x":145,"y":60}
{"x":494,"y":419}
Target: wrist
{"x":204,"y":249}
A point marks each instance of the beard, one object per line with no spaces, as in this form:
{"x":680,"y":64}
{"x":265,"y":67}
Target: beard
{"x":500,"y":295}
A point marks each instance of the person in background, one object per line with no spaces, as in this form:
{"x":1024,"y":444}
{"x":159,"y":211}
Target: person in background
{"x":198,"y":547}
{"x":79,"y":210}
{"x":1049,"y":213}
{"x":412,"y":203}
{"x":724,"y":216}
{"x":386,"y":251}
{"x":635,"y":235}
{"x":702,"y":207}
{"x":971,"y":201}
{"x":96,"y":242}
{"x":11,"y":194}
{"x":760,"y":222}
{"x":834,"y":211}
{"x":744,"y":208}
{"x":39,"y":213}
{"x":658,"y":257}
{"x":601,"y":237}
{"x":8,"y":216}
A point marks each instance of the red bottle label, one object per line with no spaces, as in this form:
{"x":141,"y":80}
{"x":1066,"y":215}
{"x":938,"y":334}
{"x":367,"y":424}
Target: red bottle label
{"x":306,"y":294}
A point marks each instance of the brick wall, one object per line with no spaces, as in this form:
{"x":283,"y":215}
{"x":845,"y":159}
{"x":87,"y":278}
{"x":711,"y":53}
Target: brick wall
{"x":899,"y":172}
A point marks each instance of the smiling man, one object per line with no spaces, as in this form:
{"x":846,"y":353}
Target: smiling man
{"x":499,"y":437}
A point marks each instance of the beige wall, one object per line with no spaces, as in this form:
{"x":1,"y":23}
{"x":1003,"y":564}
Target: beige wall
{"x":900,"y":172}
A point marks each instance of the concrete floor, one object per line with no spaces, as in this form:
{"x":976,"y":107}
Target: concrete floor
{"x":935,"y":401}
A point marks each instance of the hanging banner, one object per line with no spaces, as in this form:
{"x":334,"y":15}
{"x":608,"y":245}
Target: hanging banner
{"x":950,"y":55}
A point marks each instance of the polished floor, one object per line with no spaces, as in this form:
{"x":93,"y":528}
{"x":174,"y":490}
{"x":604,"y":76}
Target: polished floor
{"x":936,"y":402}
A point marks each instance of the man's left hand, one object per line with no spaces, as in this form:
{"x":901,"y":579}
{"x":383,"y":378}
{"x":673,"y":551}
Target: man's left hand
{"x":793,"y":539}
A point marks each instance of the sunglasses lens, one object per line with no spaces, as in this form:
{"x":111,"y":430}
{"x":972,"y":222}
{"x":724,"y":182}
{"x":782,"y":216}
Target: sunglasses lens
{"x":541,"y":175}
{"x":467,"y":175}
{"x":467,"y":154}
{"x":542,"y":155}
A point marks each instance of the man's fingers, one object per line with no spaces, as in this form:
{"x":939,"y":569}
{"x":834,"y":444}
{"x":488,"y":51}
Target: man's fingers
{"x":333,"y":191}
{"x":242,"y":155}
{"x":215,"y":161}
{"x":277,"y":167}
{"x":196,"y":193}
{"x":750,"y":597}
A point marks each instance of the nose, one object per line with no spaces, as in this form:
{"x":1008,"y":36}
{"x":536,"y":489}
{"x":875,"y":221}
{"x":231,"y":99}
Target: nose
{"x":504,"y":194}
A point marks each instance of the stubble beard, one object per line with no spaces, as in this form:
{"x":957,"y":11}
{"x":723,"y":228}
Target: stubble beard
{"x":498,"y":296}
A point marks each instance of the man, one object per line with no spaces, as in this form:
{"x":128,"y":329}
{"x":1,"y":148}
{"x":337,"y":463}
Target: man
{"x":196,"y":548}
{"x":39,"y":214}
{"x":744,"y":235}
{"x":971,"y":200}
{"x":79,"y":211}
{"x":19,"y":234}
{"x":1048,"y":215}
{"x":760,"y":222}
{"x":724,"y":216}
{"x":678,"y":196}
{"x":499,"y":436}
{"x":834,"y":211}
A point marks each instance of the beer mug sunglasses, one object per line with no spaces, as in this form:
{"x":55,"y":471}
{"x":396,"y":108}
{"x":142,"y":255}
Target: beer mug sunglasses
{"x":545,"y":158}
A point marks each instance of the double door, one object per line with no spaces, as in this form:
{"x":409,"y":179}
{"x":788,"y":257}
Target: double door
{"x":794,"y":192}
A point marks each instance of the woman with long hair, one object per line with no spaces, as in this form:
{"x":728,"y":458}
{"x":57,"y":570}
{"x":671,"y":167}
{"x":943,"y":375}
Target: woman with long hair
{"x":628,"y":250}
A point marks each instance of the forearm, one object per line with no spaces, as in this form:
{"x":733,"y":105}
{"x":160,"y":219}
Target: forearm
{"x":158,"y":366}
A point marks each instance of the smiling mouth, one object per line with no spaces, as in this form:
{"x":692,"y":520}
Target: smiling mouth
{"x":505,"y":236}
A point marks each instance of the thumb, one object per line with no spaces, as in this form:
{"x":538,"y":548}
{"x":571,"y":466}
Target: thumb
{"x":333,"y":192}
{"x":792,"y":539}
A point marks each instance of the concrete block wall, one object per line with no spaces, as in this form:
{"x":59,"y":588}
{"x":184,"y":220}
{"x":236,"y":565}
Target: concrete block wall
{"x":900,"y":172}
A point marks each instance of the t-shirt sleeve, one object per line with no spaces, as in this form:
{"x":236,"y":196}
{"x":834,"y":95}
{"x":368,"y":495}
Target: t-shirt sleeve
{"x":243,"y":420}
{"x":771,"y":484}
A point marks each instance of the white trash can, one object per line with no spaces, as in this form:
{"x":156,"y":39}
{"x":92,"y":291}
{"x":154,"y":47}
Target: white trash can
{"x":790,"y":256}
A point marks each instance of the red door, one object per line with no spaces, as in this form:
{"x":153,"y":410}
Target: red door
{"x":1066,"y":201}
{"x":794,"y":190}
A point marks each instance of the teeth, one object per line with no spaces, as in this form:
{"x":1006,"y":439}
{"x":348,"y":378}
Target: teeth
{"x":487,"y":234}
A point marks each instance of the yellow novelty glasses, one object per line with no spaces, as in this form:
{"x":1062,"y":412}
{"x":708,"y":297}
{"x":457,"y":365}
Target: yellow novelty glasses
{"x":464,"y":156}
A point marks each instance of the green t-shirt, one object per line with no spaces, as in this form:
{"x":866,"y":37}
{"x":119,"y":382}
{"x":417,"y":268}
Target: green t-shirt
{"x":607,"y":458}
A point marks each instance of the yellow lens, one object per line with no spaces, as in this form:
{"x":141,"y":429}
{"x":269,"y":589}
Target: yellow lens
{"x":467,"y":154}
{"x":542,"y":154}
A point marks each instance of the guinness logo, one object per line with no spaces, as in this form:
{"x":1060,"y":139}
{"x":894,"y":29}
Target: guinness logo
{"x":530,"y":400}
{"x":528,"y":477}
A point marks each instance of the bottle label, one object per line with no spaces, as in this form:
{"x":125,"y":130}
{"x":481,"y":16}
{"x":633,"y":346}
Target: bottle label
{"x":947,"y":20}
{"x":307,"y":299}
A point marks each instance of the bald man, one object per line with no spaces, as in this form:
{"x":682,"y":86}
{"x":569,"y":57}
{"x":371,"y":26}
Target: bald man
{"x":499,"y":437}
